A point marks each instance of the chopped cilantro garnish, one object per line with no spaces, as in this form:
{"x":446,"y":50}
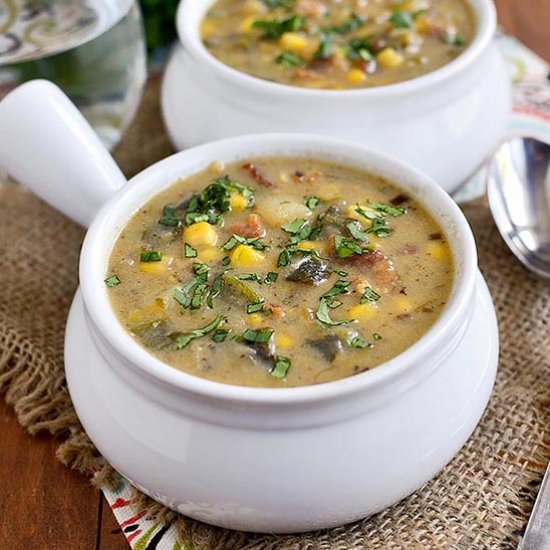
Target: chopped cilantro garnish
{"x":380,"y":228}
{"x":189,"y":251}
{"x":357,"y":341}
{"x":376,"y":336}
{"x":352,"y":24}
{"x":312,"y":202}
{"x":294,"y":226}
{"x":215,"y":290}
{"x":255,"y":307}
{"x":388,"y":209}
{"x":358,"y":49}
{"x":226,"y":260}
{"x":281,"y":367}
{"x":274,"y":4}
{"x":290,"y":60}
{"x":402,"y":20}
{"x":341,"y":272}
{"x":250,"y":277}
{"x":453,"y":39}
{"x":356,"y":231}
{"x":369,"y":295}
{"x":275,"y":28}
{"x":323,"y":314}
{"x":182,"y":339}
{"x":339,"y":287}
{"x":192,"y":293}
{"x":271,"y":277}
{"x":346,"y":248}
{"x":260,"y":336}
{"x":113,"y":280}
{"x":254,"y":242}
{"x":150,"y":256}
{"x":220,"y":335}
{"x":168,"y":216}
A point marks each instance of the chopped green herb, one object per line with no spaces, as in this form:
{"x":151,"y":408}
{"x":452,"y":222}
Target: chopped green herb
{"x":260,"y":336}
{"x":284,"y":258}
{"x":294,"y":226}
{"x":274,"y":4}
{"x":312,"y":202}
{"x":215,"y":290}
{"x":249,"y":277}
{"x":201,"y":270}
{"x":339,"y":287}
{"x":369,"y":295}
{"x":324,"y":51}
{"x":290,"y":60}
{"x":220,"y":335}
{"x":189,"y":251}
{"x":341,"y":272}
{"x":182,"y":339}
{"x":357,"y":341}
{"x":323,"y":314}
{"x":113,"y":280}
{"x":198,"y":295}
{"x":271,"y":277}
{"x":254,"y":242}
{"x":453,"y":39}
{"x":380,"y":228}
{"x":243,"y":289}
{"x":356,"y":231}
{"x":275,"y":28}
{"x":191,"y":294}
{"x":346,"y":247}
{"x":281,"y":367}
{"x":255,"y":307}
{"x":388,"y":209}
{"x":168,"y":217}
{"x":352,"y":24}
{"x":376,"y":336}
{"x":333,"y":304}
{"x":226,"y":260}
{"x":215,"y":200}
{"x":150,"y":256}
{"x":402,"y":20}
{"x":358,"y":49}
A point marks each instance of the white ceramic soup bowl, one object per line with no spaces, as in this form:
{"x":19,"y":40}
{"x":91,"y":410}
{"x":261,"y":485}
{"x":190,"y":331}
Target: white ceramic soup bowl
{"x":267,"y":460}
{"x":445,"y":123}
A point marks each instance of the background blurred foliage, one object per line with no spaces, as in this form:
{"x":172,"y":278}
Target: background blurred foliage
{"x":159,"y":18}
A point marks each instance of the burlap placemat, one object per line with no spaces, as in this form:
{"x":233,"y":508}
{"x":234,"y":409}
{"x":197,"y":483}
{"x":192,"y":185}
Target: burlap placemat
{"x":480,"y":501}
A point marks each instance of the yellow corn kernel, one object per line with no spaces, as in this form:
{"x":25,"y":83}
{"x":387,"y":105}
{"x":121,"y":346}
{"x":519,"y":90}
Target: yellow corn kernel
{"x":362,"y":285}
{"x":310,"y":245}
{"x":356,"y":76}
{"x":255,"y":320}
{"x":389,"y":58}
{"x":283,"y":341}
{"x":210,"y":254}
{"x":238,"y":202}
{"x":155,"y":267}
{"x":403,"y":304}
{"x":216,"y":167}
{"x":246,"y":256}
{"x":329,"y":192}
{"x":363,"y":312}
{"x":147,"y":314}
{"x":253,"y":6}
{"x":438,"y":251}
{"x":208,"y":28}
{"x":246,"y":26}
{"x":200,"y":234}
{"x":293,"y":42}
{"x":425,"y":25}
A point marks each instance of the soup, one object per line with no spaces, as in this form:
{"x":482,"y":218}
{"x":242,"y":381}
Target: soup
{"x":279,"y":272}
{"x":337,"y":44}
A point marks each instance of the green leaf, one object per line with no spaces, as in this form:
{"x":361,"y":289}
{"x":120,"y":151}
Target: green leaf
{"x":312,"y":202}
{"x":271,"y":277}
{"x":150,"y":256}
{"x":356,"y":231}
{"x":260,"y":336}
{"x":346,"y":248}
{"x":274,"y":4}
{"x":183,"y":339}
{"x":323,"y":315}
{"x":388,"y":209}
{"x":376,"y":336}
{"x":341,"y":272}
{"x":216,"y":289}
{"x":339,"y":287}
{"x":370,"y":295}
{"x":380,"y":228}
{"x":402,"y":20}
{"x":275,"y":28}
{"x":168,"y":217}
{"x":113,"y":280}
{"x":359,"y":49}
{"x":357,"y":341}
{"x":189,"y":251}
{"x":220,"y":335}
{"x":235,"y":239}
{"x":294,"y":226}
{"x":281,"y":367}
{"x":254,"y":307}
{"x":290,"y":60}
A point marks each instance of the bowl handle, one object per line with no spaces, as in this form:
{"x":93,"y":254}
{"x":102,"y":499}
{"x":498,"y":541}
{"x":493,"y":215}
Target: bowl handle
{"x":48,"y":146}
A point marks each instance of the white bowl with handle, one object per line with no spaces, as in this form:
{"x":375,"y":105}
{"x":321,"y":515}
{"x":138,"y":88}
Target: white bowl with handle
{"x":445,"y":122}
{"x":257,"y":459}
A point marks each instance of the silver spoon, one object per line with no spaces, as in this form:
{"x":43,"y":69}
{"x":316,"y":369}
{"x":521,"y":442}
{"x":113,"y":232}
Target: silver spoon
{"x":518,"y":189}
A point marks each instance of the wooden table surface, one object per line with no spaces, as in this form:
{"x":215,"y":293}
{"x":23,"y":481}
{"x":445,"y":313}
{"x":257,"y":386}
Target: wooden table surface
{"x":43,"y":506}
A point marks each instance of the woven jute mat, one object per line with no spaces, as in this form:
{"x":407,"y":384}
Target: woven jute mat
{"x":481,"y":500}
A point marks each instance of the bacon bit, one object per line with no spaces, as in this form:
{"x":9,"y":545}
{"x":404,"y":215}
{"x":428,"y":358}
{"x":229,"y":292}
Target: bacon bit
{"x":277,"y":311}
{"x":403,"y":291}
{"x":307,"y":178}
{"x":381,"y":267}
{"x":400,"y":199}
{"x":409,"y":250}
{"x":404,"y":316}
{"x":299,"y":175}
{"x":435,"y":236}
{"x":253,"y":170}
{"x":379,"y":44}
{"x":252,"y":228}
{"x":310,"y":8}
{"x":358,"y":369}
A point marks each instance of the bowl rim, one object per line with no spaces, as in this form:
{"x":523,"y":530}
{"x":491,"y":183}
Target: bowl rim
{"x":189,"y":36}
{"x":111,"y":218}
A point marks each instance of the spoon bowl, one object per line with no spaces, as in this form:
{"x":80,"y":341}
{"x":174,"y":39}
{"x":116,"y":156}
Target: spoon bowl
{"x":518,"y":189}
